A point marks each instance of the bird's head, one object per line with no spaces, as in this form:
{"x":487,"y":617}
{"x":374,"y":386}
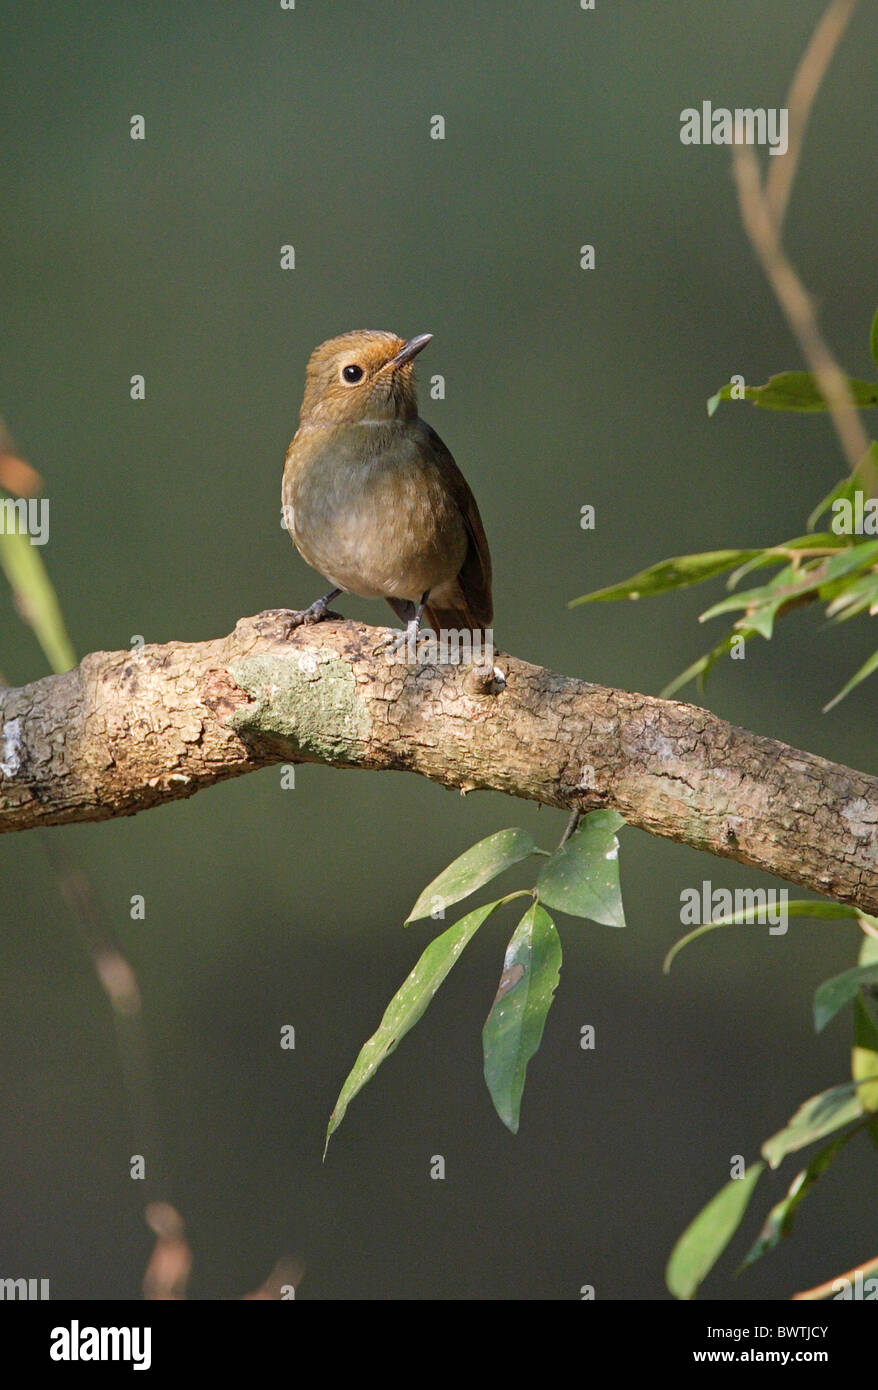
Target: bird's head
{"x":365,"y":375}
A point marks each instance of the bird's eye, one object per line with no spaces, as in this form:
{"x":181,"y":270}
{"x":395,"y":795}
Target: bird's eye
{"x":353,"y":373}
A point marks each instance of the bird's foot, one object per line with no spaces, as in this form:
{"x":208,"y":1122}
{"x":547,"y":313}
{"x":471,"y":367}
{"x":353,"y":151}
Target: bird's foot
{"x":291,"y":618}
{"x":390,"y":642}
{"x":401,"y":648}
{"x":317,"y":613}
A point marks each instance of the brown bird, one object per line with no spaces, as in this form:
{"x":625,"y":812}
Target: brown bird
{"x":373,"y":499}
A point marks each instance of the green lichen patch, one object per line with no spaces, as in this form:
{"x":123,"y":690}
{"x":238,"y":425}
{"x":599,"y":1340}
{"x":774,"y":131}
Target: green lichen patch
{"x":306,"y":699}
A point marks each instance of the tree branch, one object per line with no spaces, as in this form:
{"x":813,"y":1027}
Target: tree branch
{"x":128,"y":730}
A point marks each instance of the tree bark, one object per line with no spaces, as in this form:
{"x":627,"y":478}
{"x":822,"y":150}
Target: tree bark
{"x":132,"y":729}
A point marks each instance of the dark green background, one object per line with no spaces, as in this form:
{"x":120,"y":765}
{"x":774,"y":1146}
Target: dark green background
{"x":563,"y":387}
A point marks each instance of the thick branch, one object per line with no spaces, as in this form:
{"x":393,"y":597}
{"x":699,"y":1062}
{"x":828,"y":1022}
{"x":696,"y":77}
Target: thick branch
{"x":125,"y":731}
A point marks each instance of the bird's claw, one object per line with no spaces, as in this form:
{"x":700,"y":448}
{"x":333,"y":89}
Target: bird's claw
{"x":318,"y":612}
{"x":391,"y":641}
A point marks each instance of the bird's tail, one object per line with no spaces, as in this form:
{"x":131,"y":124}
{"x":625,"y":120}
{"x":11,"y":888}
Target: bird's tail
{"x":457,"y":619}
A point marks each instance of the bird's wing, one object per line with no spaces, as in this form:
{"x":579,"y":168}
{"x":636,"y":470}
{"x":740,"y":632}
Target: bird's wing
{"x":475,"y":572}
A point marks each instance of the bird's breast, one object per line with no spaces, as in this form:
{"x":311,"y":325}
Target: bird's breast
{"x":368,"y":508}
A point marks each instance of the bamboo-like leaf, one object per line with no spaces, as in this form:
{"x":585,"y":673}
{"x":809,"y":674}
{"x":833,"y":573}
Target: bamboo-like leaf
{"x":514,"y":1027}
{"x":36,"y":598}
{"x":864,"y":1055}
{"x":833,"y":994}
{"x":795,"y":391}
{"x":777,"y":554}
{"x":779,"y":1221}
{"x":701,"y":669}
{"x":746,"y":917}
{"x":815,"y":1118}
{"x":861,"y":479}
{"x":669,"y":574}
{"x":865,"y":670}
{"x":705,"y":1238}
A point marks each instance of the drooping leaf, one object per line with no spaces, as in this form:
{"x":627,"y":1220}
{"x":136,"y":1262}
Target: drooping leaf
{"x":800,"y":908}
{"x":582,"y":877}
{"x":514,"y":1027}
{"x":704,"y":1240}
{"x":815,"y":1118}
{"x":779,"y":1221}
{"x":472,"y":869}
{"x":865,"y":670}
{"x":35,"y":598}
{"x":795,"y":391}
{"x":833,"y":994}
{"x":669,"y":574}
{"x":408,"y":1005}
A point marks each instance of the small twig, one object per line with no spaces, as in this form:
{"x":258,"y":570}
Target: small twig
{"x":797,"y":305}
{"x":763,"y":206}
{"x":570,"y":828}
{"x":831,"y":1285}
{"x":800,"y":98}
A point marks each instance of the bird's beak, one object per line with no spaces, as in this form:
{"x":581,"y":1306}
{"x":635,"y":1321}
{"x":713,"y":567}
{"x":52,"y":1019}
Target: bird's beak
{"x":405,"y":354}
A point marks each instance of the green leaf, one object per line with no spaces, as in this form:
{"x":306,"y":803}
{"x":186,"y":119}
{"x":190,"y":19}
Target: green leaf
{"x":704,"y":1240}
{"x":803,"y":907}
{"x":776,"y":554}
{"x":762,"y":605}
{"x":815,"y":1118}
{"x":36,"y":598}
{"x":795,"y":391}
{"x":582,"y":877}
{"x":407,"y":1006}
{"x":864,"y":1058}
{"x":779,"y":1221}
{"x":865,"y":670}
{"x":861,"y":593}
{"x":833,"y":994}
{"x":514,"y":1027}
{"x":861,"y":479}
{"x":669,"y":574}
{"x":477,"y":866}
{"x":701,"y":668}
{"x":873,"y":339}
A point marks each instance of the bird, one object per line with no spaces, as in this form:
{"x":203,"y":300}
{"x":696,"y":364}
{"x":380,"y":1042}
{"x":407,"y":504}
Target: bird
{"x":373,"y":499}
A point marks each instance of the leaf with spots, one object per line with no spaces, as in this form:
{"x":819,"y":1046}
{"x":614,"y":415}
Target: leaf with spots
{"x":582,"y":876}
{"x":514,"y":1028}
{"x":407,"y":1006}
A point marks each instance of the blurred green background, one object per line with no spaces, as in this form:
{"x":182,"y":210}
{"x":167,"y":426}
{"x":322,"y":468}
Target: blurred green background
{"x":266,"y":907}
